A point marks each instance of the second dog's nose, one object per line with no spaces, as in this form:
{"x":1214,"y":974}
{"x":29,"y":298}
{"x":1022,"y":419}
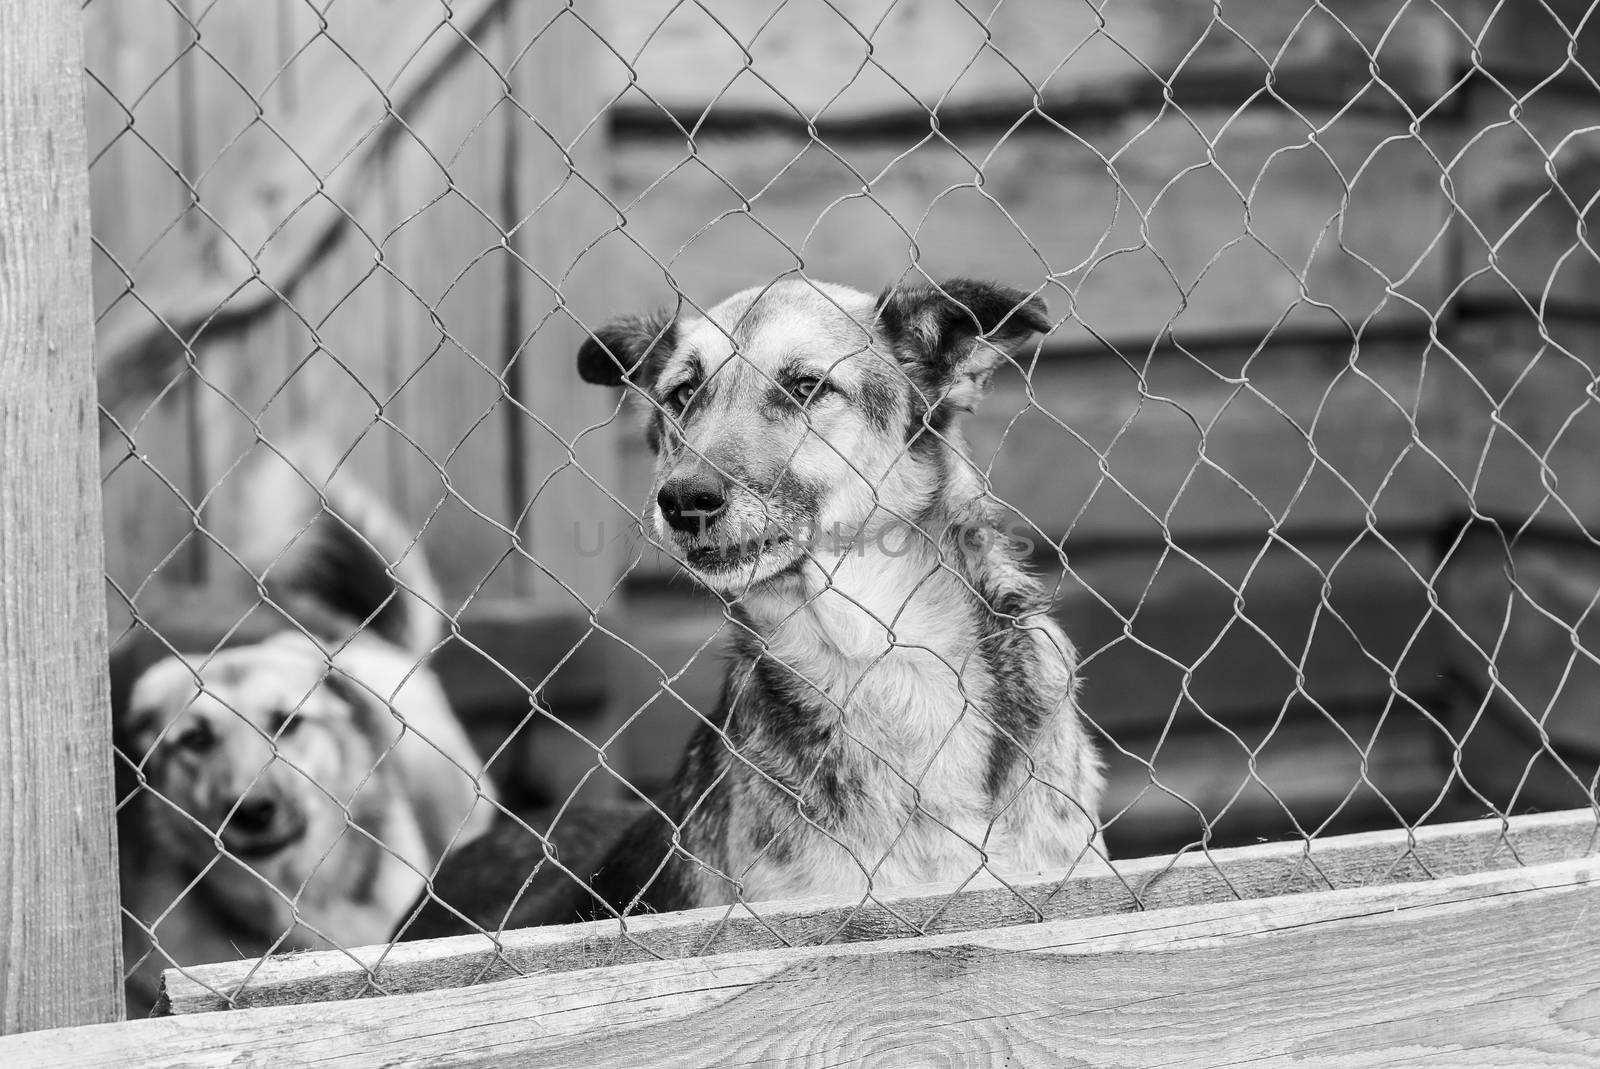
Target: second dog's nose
{"x":691,"y":502}
{"x":255,"y":815}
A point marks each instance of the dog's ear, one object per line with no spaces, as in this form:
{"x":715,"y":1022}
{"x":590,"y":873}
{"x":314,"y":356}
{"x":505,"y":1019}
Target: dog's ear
{"x":950,"y":337}
{"x":630,"y":349}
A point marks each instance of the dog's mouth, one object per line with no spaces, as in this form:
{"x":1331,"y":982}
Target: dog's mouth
{"x":734,"y":556}
{"x":257,"y":845}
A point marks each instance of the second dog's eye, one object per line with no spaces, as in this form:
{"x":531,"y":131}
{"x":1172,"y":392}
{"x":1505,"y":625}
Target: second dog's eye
{"x":196,"y":736}
{"x":284,"y":723}
{"x":679,"y":399}
{"x":808,"y":389}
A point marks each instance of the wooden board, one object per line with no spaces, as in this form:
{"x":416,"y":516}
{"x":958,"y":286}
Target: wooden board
{"x":733,"y":59}
{"x":562,"y":276}
{"x":1522,"y":658}
{"x":1555,"y":41}
{"x":389,"y":346}
{"x":444,"y":289}
{"x":1153,"y":883}
{"x":58,"y":873}
{"x":1499,"y":965}
{"x":1528,"y":175}
{"x":280,"y":208}
{"x":1313,"y":772}
{"x":1523,"y":422}
{"x":140,"y":102}
{"x":1195,"y":223}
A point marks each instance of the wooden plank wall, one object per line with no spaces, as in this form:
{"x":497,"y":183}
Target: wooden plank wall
{"x":409,"y":164}
{"x":58,"y":878}
{"x":1310,"y":319}
{"x":1305,"y":332}
{"x":373,"y":226}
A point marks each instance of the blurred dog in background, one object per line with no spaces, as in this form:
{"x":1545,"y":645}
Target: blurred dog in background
{"x":295,"y":792}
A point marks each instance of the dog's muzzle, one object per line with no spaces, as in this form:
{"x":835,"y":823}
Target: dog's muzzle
{"x":260,"y":826}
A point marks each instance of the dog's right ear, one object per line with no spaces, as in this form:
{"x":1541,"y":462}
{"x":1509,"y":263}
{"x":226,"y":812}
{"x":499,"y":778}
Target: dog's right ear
{"x":630,"y":349}
{"x":950,"y":337}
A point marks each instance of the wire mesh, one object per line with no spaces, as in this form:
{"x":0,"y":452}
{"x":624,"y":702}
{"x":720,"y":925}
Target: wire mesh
{"x":1299,"y":458}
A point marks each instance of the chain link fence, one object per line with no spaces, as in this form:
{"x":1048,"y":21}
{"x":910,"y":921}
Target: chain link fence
{"x":1301,"y":457}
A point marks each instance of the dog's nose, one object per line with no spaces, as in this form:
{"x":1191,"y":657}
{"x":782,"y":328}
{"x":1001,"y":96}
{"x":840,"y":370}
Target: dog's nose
{"x":255,"y":815}
{"x":692,"y":502}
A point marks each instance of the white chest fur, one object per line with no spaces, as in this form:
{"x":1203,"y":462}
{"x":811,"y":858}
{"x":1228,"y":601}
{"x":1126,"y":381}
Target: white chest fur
{"x":893,"y":651}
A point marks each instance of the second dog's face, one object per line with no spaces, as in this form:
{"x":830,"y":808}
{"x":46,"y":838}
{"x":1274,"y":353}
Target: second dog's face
{"x":792,"y":421}
{"x":266,"y":755}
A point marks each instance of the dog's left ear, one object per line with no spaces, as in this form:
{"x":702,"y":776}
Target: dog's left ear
{"x":630,"y":349}
{"x":950,"y":337}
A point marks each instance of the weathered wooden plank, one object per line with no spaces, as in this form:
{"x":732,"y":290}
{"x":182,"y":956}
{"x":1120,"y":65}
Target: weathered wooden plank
{"x":1528,"y":174}
{"x":1522,"y":421}
{"x":1523,"y":661}
{"x":1492,"y":968}
{"x":1243,"y":630}
{"x":563,"y":277}
{"x":280,"y":211}
{"x":1196,"y":223}
{"x":137,"y":140}
{"x":1312,"y":772}
{"x":243,"y":90}
{"x":140,"y":108}
{"x":737,"y":58}
{"x":1524,"y":46}
{"x":446,"y":324}
{"x":1153,"y":883}
{"x":58,"y":882}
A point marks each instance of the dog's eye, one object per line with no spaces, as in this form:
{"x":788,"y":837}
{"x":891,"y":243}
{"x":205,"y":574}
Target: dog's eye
{"x":284,"y":723}
{"x":808,"y":389}
{"x":197,"y":737}
{"x":679,"y":399}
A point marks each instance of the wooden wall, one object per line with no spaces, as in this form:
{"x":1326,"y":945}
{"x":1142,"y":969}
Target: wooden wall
{"x":368,"y":225}
{"x":1312,"y":318}
{"x":1320,"y":273}
{"x":365,"y":225}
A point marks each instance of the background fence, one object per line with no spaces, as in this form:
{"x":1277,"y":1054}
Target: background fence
{"x":1315,"y":437}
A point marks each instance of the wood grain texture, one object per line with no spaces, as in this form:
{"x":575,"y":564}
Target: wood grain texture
{"x":1528,"y":173}
{"x":1490,"y":969}
{"x":1523,"y":424}
{"x":563,"y":278}
{"x":280,"y":212}
{"x":735,"y":58}
{"x":1521,"y":655}
{"x":144,"y":146}
{"x":1154,"y":883}
{"x":1555,"y":42}
{"x":1195,"y":223}
{"x":58,"y":883}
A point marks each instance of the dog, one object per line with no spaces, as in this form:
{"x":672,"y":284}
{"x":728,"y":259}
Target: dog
{"x":899,"y":708}
{"x":294,"y":792}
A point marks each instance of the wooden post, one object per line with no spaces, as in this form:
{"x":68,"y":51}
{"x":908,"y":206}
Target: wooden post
{"x":60,"y":962}
{"x":572,"y":531}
